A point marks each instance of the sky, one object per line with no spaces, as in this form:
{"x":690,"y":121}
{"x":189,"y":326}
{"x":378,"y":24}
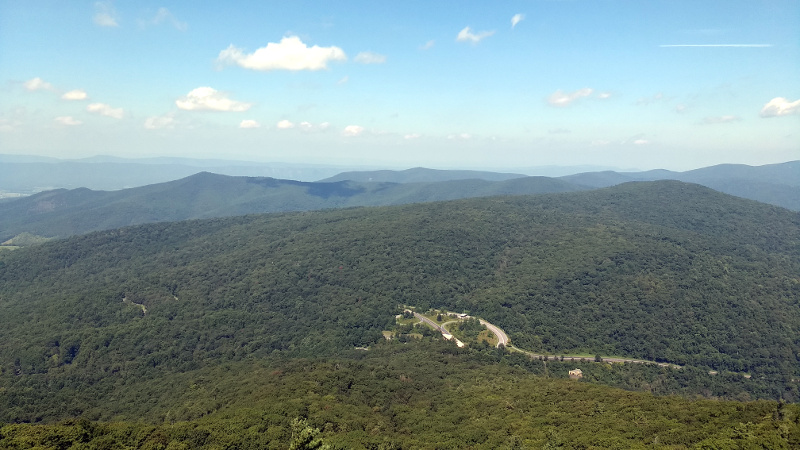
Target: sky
{"x":488,"y":85}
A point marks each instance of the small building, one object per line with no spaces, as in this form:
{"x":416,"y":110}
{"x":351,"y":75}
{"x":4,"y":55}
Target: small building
{"x":575,"y":374}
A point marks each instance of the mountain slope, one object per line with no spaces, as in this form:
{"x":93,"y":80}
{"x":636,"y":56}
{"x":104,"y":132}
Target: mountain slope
{"x":665,"y":271}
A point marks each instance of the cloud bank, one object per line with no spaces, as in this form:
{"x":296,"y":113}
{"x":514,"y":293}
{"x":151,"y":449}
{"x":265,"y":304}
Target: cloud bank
{"x":289,"y":54}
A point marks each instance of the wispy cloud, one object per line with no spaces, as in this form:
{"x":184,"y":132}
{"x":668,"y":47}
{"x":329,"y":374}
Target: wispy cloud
{"x":160,"y":122}
{"x":370,"y":58}
{"x":644,"y":101}
{"x":716,"y":45}
{"x":720,"y":119}
{"x":105,"y":15}
{"x":780,"y":106}
{"x":209,"y":99}
{"x":460,"y":136}
{"x":561,"y":98}
{"x":37,"y":84}
{"x":105,"y":110}
{"x":517,"y":19}
{"x":68,"y":120}
{"x":164,"y":15}
{"x":249,"y":123}
{"x":289,"y":54}
{"x":427,"y":45}
{"x":352,"y":131}
{"x":466,"y":35}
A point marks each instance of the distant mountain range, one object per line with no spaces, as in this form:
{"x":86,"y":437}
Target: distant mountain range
{"x":62,"y":212}
{"x":67,"y":212}
{"x":24,"y":175}
{"x":777,"y":184}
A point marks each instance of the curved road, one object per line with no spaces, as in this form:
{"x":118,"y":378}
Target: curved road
{"x":503,"y":339}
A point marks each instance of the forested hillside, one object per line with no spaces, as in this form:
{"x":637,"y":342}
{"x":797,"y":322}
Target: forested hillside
{"x":664,"y":271}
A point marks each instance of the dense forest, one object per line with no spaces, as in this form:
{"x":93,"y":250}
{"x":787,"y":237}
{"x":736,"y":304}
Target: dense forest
{"x":121,"y":324}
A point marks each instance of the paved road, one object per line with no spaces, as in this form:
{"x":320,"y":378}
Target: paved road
{"x":441,"y":329}
{"x":502,"y":338}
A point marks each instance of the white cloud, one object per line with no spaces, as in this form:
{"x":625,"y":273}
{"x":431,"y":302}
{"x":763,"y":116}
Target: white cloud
{"x":604,"y":95}
{"x":249,"y":123}
{"x":780,"y":106}
{"x":412,"y":136}
{"x":344,"y":80}
{"x":560,"y":98}
{"x":75,"y":94}
{"x":290,"y":54}
{"x":284,"y":125}
{"x":517,"y":19}
{"x":427,"y":45}
{"x":105,"y":15}
{"x":163,"y":14}
{"x":369,"y":58}
{"x":37,"y":84}
{"x":641,"y":142}
{"x":68,"y":120}
{"x":600,"y":143}
{"x":209,"y":99}
{"x":681,"y":108}
{"x":324,"y":126}
{"x":159,"y":122}
{"x":720,"y":119}
{"x":466,"y":35}
{"x":352,"y":131}
{"x":105,"y":110}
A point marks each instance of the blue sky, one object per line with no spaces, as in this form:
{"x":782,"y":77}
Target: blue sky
{"x":462,"y":84}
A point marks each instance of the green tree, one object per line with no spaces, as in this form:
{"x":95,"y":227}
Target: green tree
{"x":305,"y":437}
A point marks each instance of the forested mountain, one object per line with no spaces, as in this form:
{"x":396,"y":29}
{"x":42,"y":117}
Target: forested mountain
{"x":665,"y":271}
{"x":776,"y":184}
{"x":67,"y":212}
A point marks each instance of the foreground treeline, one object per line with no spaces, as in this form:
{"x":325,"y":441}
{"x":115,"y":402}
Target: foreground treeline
{"x":421,"y":394}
